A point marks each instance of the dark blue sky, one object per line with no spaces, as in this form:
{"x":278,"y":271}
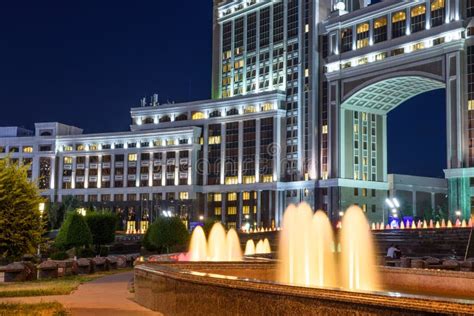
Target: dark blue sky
{"x":86,"y":63}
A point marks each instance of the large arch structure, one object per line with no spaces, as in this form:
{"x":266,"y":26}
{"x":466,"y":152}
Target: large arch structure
{"x":363,"y":85}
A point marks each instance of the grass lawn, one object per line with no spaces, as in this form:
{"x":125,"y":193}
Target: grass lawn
{"x":42,"y":309}
{"x":61,"y":286}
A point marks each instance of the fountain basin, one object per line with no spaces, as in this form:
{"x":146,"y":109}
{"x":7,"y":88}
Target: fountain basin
{"x":212,"y":288}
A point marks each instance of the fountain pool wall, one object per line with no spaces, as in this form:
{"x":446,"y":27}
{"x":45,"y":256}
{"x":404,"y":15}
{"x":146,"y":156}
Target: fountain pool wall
{"x":212,"y":288}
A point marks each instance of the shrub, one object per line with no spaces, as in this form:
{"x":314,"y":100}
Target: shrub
{"x":74,"y":233}
{"x":167,"y":234}
{"x":85,"y":253}
{"x":102,"y":227}
{"x":59,"y":255}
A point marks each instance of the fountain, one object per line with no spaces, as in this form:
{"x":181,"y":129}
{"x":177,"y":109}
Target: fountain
{"x":250,"y":248}
{"x":316,"y":273}
{"x":358,"y":256}
{"x":198,"y":245}
{"x":220,"y":247}
{"x":307,"y":255}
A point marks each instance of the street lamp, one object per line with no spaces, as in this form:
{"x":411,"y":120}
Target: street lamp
{"x":41,"y":208}
{"x":201,"y":218}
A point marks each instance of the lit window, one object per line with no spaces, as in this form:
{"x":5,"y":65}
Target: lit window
{"x":80,"y":147}
{"x":418,"y":46}
{"x":170,"y":142}
{"x":325,"y":129}
{"x":363,"y":35}
{"x":218,"y":211}
{"x":418,"y":10}
{"x":267,"y":107}
{"x":231,"y":180}
{"x":380,"y":56}
{"x":306,"y":28}
{"x":470,"y":105}
{"x":246,"y":210}
{"x":306,"y":73}
{"x":363,"y":61}
{"x":232,"y":197}
{"x":198,"y":116}
{"x":93,"y":147}
{"x":398,"y":17}
{"x":183,"y":195}
{"x":28,"y":149}
{"x":232,"y":210}
{"x":132,"y":157}
{"x":218,"y":197}
{"x":214,"y":140}
{"x":381,"y":22}
{"x":437,"y":4}
{"x":246,"y":196}
{"x":249,"y":179}
{"x":68,"y":160}
{"x":267,"y":179}
{"x":239,"y":64}
{"x":67,"y":148}
{"x":250,"y":109}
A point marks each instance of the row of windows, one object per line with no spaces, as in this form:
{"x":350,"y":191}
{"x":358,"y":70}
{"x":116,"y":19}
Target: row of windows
{"x":399,"y":25}
{"x":24,"y":149}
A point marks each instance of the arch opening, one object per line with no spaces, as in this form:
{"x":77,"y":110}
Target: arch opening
{"x":383,"y":96}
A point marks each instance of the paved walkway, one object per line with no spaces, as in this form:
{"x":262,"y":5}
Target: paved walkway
{"x":105,"y":296}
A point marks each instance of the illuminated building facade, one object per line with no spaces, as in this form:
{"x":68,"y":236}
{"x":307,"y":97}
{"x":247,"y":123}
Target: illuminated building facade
{"x":300,"y":97}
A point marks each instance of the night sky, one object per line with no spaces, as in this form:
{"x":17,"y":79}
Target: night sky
{"x":86,"y":63}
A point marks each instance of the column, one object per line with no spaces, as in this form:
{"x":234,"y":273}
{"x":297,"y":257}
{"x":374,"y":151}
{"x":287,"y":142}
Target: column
{"x":99,"y":174}
{"x":192,"y":178}
{"x":371,"y":32}
{"x":389,"y":27}
{"x":164,"y":166}
{"x":277,"y":148}
{"x":223,"y":141}
{"x":73,"y":173}
{"x":428,"y":14}
{"x":414,"y":202}
{"x":60,"y":173}
{"x":277,"y":208}
{"x":176,"y":169}
{"x":205,"y":156}
{"x":433,"y":200}
{"x":112,"y":173}
{"x":241,"y":150}
{"x":408,"y":22}
{"x":384,"y":146}
{"x":240,"y":210}
{"x":258,"y":131}
{"x":270,"y":206}
{"x":86,"y":173}
{"x":259,"y":208}
{"x":52,"y":174}
{"x":223,"y":207}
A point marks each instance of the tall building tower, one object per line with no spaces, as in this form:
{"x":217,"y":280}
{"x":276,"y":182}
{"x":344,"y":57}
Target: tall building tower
{"x":273,"y":46}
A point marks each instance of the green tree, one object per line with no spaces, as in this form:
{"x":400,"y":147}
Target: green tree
{"x":21,"y":225}
{"x":167,"y":235}
{"x":102,"y":226}
{"x":74,"y":233}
